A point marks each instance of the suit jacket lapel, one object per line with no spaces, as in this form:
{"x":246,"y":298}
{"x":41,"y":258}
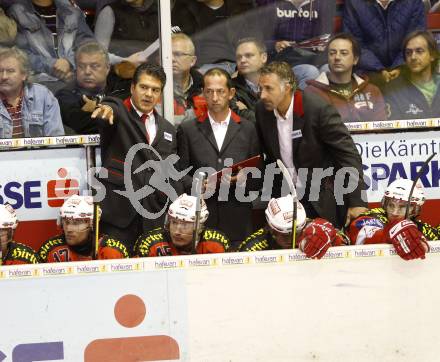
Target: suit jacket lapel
{"x":159,"y":129}
{"x":138,"y":121}
{"x":232,"y":130}
{"x":206,"y":129}
{"x":298,"y":123}
{"x":272,"y":131}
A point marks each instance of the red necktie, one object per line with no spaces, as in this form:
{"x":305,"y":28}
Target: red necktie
{"x":145,"y":118}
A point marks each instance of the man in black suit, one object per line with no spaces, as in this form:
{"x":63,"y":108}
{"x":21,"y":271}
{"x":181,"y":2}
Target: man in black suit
{"x":208,"y":141}
{"x":127,"y":211}
{"x":307,"y":134}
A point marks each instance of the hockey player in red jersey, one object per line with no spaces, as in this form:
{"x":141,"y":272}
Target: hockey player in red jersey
{"x":12,"y":252}
{"x":76,"y":241}
{"x":387,"y":224}
{"x":176,"y":237}
{"x":314,"y":237}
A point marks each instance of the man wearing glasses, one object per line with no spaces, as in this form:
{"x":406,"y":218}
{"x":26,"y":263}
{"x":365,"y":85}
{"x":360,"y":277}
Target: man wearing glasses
{"x":188,"y":82}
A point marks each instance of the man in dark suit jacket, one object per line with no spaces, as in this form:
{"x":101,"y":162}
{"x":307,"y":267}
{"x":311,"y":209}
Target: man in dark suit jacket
{"x":306,"y":133}
{"x":211,"y":139}
{"x":130,"y":122}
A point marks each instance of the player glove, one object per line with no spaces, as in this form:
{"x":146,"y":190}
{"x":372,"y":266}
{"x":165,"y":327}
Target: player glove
{"x":316,"y":238}
{"x":408,"y":241}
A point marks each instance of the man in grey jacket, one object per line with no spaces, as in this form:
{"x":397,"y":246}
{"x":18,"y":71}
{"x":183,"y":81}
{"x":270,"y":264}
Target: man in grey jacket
{"x":26,"y":110}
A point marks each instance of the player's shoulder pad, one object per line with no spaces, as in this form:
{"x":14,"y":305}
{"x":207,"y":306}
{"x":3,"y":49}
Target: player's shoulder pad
{"x":365,"y":220}
{"x":220,"y":237}
{"x":49,"y":245}
{"x":429,"y":232}
{"x":378,"y":213}
{"x":255,"y":242}
{"x":109,"y":242}
{"x":21,"y":252}
{"x":147,"y":240}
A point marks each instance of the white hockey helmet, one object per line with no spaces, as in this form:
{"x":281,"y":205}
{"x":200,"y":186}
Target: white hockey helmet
{"x":279,"y":215}
{"x":8,"y":217}
{"x":400,"y":189}
{"x":184,"y":209}
{"x":78,"y":207}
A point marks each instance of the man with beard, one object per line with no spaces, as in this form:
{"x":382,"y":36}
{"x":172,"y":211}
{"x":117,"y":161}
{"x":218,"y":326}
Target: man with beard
{"x":26,"y":109}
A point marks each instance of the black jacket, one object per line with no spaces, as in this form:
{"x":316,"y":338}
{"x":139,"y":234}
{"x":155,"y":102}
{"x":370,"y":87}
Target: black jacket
{"x":198,"y":148}
{"x":116,"y":141}
{"x":321,"y":141}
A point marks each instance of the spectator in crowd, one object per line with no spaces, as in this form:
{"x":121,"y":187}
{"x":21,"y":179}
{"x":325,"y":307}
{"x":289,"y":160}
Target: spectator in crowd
{"x":251,"y":56}
{"x":307,"y":133}
{"x":296,"y":32}
{"x":8,"y":29}
{"x":12,"y":252}
{"x":380,"y":27}
{"x":177,"y":236}
{"x":213,"y":138}
{"x":353,"y":96}
{"x":26,"y":109}
{"x":314,"y":237}
{"x":127,"y":26}
{"x":77,"y":242}
{"x":416,"y":92}
{"x":79,"y":98}
{"x":127,"y":123}
{"x":50,"y":31}
{"x":187,"y":81}
{"x":388,"y":224}
{"x":214,"y":28}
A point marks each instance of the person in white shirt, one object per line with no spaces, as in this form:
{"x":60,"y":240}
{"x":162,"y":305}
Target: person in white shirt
{"x":218,"y":139}
{"x":308,"y":135}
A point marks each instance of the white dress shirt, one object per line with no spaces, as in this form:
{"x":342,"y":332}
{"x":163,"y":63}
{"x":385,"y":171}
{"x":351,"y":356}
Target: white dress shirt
{"x":150,"y":123}
{"x":285,"y":127}
{"x":219,"y":129}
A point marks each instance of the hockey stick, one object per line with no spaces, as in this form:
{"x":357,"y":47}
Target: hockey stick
{"x":419,"y":174}
{"x":292,"y":188}
{"x":96,"y":228}
{"x":200,"y":181}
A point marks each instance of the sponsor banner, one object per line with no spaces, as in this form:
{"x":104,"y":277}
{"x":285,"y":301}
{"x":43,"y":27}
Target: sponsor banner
{"x":393,"y":125}
{"x":387,"y":157}
{"x":86,"y":140}
{"x":36,"y":182}
{"x":188,"y":262}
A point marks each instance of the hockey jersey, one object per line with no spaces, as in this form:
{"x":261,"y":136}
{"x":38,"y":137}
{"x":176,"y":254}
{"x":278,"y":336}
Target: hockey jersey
{"x":158,"y":242}
{"x":56,"y":250}
{"x":369,"y":227}
{"x":18,"y":253}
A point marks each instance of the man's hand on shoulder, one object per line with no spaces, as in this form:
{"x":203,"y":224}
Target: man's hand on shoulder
{"x":104,"y":112}
{"x":353,"y":213}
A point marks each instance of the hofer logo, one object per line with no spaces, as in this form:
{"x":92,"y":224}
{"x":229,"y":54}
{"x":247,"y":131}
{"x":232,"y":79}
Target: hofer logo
{"x":28,"y":193}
